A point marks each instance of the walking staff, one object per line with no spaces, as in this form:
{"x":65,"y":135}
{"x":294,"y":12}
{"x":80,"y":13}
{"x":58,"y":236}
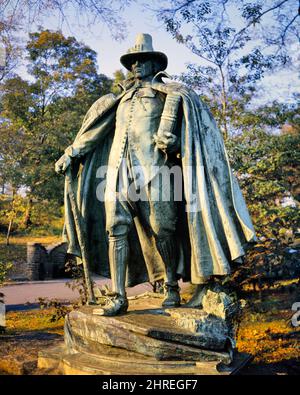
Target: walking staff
{"x":81,"y":237}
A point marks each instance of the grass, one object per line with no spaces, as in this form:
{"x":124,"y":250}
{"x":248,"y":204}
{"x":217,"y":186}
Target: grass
{"x":24,"y":239}
{"x":33,"y":320}
{"x":266,"y":331}
{"x":269,"y":341}
{"x":26,"y":334}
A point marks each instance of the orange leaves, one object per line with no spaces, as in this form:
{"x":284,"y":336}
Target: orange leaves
{"x":46,"y":37}
{"x":268,"y":342}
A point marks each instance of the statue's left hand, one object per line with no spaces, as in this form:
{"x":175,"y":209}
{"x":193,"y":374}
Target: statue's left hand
{"x":167,"y":142}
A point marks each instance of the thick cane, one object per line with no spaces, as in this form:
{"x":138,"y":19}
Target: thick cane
{"x":81,"y":237}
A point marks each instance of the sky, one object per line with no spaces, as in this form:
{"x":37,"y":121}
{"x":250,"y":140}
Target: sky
{"x":138,"y":21}
{"x":278,"y":86}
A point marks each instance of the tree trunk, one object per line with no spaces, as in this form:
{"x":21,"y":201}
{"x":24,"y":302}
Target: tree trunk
{"x":11,"y":218}
{"x":27,"y":217}
{"x":224,"y":105}
{"x":8,"y":231}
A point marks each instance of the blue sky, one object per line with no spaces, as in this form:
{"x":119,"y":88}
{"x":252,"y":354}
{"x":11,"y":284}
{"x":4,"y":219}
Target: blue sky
{"x":276,"y":86}
{"x":109,"y":51}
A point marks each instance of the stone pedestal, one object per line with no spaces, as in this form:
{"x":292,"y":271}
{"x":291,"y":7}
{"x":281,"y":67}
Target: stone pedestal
{"x":146,"y":340}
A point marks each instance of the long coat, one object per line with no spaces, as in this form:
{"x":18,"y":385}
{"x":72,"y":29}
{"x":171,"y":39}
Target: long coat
{"x":214,"y":226}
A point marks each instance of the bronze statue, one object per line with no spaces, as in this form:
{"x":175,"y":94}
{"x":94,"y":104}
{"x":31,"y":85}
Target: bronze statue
{"x":121,"y":218}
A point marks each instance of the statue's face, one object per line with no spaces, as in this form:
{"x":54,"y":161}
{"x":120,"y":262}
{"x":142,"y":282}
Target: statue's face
{"x":142,"y":69}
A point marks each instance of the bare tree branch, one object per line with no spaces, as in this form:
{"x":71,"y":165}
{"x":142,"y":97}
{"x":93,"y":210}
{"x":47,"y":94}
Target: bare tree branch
{"x":256,"y":20}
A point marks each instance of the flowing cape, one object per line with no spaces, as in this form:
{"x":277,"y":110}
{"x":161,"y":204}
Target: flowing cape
{"x":214,"y":226}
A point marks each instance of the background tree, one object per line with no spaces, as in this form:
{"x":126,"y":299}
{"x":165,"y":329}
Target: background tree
{"x":20,"y":16}
{"x":267,"y":165}
{"x":229,"y":38}
{"x":119,"y":77}
{"x":41,"y":117}
{"x":274,"y":22}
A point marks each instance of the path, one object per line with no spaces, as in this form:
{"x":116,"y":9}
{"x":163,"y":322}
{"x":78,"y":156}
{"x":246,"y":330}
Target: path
{"x":28,"y":292}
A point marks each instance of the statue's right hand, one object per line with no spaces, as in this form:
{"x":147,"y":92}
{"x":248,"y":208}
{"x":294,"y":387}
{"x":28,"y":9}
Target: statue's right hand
{"x":62,"y":164}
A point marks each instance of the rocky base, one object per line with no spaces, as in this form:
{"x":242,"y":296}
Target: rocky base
{"x":146,"y":340}
{"x":117,"y":361}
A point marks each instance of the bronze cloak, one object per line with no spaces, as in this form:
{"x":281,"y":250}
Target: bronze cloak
{"x":214,"y":226}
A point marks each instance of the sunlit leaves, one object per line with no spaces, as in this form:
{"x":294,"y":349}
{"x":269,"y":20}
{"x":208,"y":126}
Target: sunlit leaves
{"x":40,"y":118}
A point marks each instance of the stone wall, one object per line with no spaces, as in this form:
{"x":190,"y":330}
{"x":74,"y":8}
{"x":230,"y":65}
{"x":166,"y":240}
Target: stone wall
{"x":45,"y":263}
{"x":57,"y":254}
{"x":36,"y":261}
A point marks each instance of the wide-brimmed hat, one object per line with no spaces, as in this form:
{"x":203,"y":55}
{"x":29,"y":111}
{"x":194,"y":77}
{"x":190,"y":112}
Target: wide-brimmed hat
{"x":143,"y":49}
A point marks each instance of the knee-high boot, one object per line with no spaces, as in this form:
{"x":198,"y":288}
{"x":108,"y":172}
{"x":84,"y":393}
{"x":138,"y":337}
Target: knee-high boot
{"x":118,"y":255}
{"x":167,"y":250}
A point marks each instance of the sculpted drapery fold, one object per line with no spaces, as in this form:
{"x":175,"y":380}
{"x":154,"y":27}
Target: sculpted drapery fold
{"x":214,"y":227}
